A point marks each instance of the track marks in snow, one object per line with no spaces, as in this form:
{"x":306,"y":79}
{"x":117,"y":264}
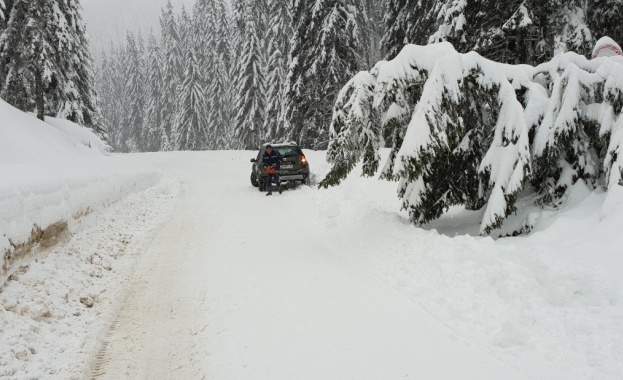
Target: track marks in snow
{"x":157,"y":332}
{"x":41,"y":312}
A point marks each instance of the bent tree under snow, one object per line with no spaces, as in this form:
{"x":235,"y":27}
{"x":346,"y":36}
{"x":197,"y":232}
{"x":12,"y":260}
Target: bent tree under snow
{"x":468,"y":131}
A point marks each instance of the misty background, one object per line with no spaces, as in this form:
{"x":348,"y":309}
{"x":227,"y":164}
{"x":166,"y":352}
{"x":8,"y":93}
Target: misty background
{"x":109,"y":20}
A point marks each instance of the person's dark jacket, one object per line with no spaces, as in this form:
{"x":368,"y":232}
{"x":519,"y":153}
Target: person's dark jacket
{"x":272,"y":159}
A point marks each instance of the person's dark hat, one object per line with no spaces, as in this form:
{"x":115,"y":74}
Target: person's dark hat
{"x":269,"y":146}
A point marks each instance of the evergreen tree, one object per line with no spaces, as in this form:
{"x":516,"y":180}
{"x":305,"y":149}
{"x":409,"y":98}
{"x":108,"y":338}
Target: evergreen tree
{"x":250,"y":103}
{"x":407,"y":22}
{"x":191,"y":126}
{"x":516,"y":31}
{"x":605,"y":18}
{"x":220,"y":89}
{"x":46,"y":64}
{"x":187,"y":37}
{"x":107,"y":93}
{"x":135,"y":93}
{"x":325,"y":53}
{"x":112,"y":92}
{"x":80,"y":95}
{"x":29,"y":63}
{"x":355,"y":131}
{"x":2,"y":17}
{"x":212,"y":44}
{"x":277,"y":40}
{"x":374,"y":12}
{"x":172,"y":69}
{"x":154,"y":135}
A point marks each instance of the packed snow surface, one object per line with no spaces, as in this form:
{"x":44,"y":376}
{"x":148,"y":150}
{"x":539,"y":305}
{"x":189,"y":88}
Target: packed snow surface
{"x":225,"y":283}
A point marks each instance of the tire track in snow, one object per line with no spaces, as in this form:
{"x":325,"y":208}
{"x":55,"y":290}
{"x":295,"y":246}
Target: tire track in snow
{"x":156,"y":331}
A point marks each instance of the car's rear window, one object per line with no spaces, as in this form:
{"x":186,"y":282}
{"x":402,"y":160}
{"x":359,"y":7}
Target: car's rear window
{"x":288,"y":151}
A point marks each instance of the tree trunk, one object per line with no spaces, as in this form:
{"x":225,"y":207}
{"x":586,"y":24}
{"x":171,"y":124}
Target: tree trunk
{"x":39,"y":95}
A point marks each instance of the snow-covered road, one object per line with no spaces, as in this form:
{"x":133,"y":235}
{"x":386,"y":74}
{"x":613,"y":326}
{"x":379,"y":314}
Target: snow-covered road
{"x":239,"y":286}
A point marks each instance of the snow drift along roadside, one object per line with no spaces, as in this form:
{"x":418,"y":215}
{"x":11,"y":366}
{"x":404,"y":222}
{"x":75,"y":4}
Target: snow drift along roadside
{"x":51,"y":173}
{"x":549,"y":303}
{"x":55,"y":312}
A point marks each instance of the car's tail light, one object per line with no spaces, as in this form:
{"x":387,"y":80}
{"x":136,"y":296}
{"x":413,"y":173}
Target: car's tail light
{"x":303,"y":160}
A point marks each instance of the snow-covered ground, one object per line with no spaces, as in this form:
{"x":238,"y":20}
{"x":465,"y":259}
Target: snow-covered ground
{"x":189,"y":272}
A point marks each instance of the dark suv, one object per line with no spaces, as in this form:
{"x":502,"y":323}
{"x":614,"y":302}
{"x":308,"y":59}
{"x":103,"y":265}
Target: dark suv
{"x":293,"y":170}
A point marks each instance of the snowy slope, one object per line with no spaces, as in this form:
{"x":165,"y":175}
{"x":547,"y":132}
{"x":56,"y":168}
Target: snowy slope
{"x":51,"y":174}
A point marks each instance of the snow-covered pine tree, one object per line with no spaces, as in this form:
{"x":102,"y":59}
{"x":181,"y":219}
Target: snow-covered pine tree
{"x":398,"y":86}
{"x":154,"y":135}
{"x":570,"y":25}
{"x":134,"y":120}
{"x":568,"y":143}
{"x":79,"y":102}
{"x":610,"y":118}
{"x":451,"y":22}
{"x":605,"y":18}
{"x":408,"y":22}
{"x":106,"y":91}
{"x":466,"y":144}
{"x":326,"y":51}
{"x":251,"y":82}
{"x":220,"y":87}
{"x":111,"y":88}
{"x":480,"y":130}
{"x":191,"y":125}
{"x":355,"y":130}
{"x":187,"y":36}
{"x":172,"y":70}
{"x":374,"y":11}
{"x":46,"y":62}
{"x":2,"y":17}
{"x":29,"y":61}
{"x":278,"y":44}
{"x":211,"y":26}
{"x":516,"y":31}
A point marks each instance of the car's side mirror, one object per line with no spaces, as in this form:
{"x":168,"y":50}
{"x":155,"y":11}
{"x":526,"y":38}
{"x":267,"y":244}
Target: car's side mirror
{"x":253,"y":160}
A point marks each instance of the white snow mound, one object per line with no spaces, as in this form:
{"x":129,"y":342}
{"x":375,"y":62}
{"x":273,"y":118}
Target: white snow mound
{"x":52,"y":172}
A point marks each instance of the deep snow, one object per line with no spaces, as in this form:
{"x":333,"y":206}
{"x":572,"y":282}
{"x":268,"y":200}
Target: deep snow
{"x":342,"y":286}
{"x":180,"y":269}
{"x":55,"y":172}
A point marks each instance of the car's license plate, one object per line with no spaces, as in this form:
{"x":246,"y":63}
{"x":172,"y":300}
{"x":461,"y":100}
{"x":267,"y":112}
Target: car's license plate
{"x":287,"y":166}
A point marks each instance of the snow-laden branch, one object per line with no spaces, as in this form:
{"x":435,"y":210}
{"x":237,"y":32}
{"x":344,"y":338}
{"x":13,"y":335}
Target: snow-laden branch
{"x":468,"y":131}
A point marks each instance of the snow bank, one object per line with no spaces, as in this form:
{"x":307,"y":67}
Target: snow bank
{"x":55,"y":313}
{"x":550,"y":304}
{"x":50,"y":175}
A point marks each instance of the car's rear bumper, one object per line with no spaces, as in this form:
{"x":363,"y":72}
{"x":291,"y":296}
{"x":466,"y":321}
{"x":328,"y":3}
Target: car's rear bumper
{"x":289,"y":176}
{"x":295,"y":177}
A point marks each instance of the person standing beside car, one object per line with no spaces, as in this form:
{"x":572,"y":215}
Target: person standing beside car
{"x":271,"y":162}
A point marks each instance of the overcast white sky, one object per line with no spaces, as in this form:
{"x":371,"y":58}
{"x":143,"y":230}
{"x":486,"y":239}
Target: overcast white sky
{"x":109,"y":19}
